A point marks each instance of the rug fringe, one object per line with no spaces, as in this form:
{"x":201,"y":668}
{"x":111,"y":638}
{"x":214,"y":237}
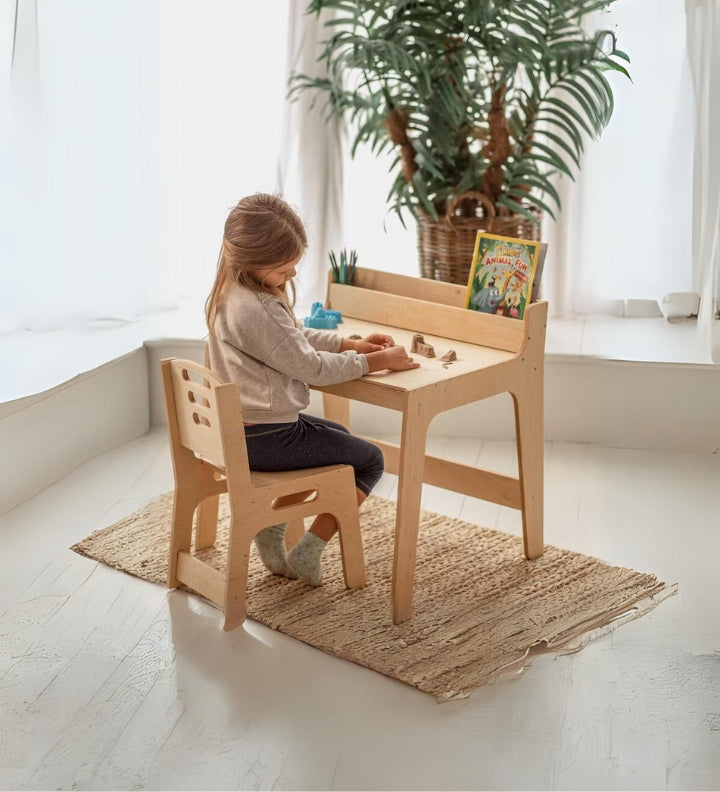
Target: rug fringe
{"x":571,"y":644}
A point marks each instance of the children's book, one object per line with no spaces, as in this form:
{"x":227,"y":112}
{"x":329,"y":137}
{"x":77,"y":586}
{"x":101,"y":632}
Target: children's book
{"x":502,"y":274}
{"x":538,"y":272}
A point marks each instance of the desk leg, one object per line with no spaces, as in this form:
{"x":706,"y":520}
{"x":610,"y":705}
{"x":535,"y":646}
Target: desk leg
{"x":530,"y":450}
{"x":410,"y":478}
{"x":336,"y":408}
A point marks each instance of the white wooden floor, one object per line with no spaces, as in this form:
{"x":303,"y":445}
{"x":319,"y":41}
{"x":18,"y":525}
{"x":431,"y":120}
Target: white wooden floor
{"x":109,"y":682}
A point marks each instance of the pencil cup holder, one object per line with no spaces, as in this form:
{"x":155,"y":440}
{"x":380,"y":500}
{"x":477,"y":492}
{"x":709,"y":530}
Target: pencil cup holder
{"x":343,"y":266}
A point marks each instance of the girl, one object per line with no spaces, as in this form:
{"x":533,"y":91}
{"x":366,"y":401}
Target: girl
{"x":256,"y":342}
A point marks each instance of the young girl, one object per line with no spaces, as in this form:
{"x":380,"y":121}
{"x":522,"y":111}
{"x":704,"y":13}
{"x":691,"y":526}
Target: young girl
{"x":256,"y":342}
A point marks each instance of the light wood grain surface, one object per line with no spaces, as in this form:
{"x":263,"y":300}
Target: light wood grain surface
{"x":470,"y":357}
{"x":110,"y":682}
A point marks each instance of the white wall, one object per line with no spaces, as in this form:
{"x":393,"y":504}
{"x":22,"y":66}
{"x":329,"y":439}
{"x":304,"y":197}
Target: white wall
{"x":45,"y":437}
{"x":603,"y":402}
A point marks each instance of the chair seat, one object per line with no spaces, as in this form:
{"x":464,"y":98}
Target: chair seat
{"x":260,"y":478}
{"x":263,"y":479}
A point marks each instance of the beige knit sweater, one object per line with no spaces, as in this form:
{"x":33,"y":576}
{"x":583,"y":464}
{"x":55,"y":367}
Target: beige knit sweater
{"x":258,"y":345}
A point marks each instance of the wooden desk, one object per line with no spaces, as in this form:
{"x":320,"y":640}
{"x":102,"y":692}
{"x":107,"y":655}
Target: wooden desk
{"x":495,"y":354}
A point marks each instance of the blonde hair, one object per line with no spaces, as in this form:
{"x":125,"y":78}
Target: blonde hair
{"x":261,"y":232}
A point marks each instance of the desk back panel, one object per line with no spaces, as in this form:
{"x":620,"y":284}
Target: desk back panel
{"x":405,"y":286}
{"x":426,"y":315}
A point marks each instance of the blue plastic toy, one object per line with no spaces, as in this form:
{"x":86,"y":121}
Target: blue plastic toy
{"x":322,"y":318}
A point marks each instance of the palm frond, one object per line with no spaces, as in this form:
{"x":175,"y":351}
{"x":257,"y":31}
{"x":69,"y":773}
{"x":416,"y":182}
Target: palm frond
{"x":439,"y":67}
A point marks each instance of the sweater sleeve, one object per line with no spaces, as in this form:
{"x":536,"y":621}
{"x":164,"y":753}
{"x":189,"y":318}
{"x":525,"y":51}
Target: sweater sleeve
{"x":268,"y":333}
{"x":322,"y":340}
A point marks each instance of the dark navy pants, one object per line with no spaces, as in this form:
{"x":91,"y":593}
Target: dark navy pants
{"x":313,"y":442}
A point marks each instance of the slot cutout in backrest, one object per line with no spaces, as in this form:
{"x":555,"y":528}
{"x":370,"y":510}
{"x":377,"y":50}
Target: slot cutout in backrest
{"x":201,"y":419}
{"x":199,"y":401}
{"x":197,"y":411}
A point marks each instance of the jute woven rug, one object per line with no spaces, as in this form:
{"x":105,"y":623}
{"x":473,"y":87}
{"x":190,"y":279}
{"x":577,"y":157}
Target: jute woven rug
{"x":480,"y":607}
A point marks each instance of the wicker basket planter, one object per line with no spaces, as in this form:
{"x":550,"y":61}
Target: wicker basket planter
{"x":446,"y":247}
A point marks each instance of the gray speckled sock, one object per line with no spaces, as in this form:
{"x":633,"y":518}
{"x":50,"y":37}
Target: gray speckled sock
{"x":270,"y":543}
{"x":305,"y":558}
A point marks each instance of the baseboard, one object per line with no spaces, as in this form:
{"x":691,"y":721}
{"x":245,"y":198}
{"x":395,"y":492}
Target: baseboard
{"x":626,"y":404}
{"x":46,"y":436}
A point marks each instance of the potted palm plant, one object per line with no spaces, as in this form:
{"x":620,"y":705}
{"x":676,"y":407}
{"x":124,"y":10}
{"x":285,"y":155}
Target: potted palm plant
{"x":484,"y":103}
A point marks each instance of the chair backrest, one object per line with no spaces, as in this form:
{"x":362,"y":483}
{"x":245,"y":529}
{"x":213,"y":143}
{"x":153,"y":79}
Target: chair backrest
{"x":201,"y":407}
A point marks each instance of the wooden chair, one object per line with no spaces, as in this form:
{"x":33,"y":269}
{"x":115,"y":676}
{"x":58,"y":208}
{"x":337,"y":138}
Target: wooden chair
{"x":209,"y":454}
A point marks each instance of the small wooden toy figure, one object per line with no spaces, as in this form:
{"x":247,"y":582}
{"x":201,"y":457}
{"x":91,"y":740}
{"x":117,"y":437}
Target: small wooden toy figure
{"x":419,"y":347}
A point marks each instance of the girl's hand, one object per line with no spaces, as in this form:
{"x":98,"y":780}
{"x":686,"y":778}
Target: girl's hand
{"x":394,"y":358}
{"x":378,"y":340}
{"x":372,"y":343}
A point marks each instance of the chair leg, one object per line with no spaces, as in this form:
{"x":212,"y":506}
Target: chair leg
{"x":180,"y":533}
{"x":294,"y":533}
{"x":530,"y":450}
{"x":236,"y":580}
{"x":235,"y":603}
{"x":207,"y":519}
{"x":353,"y":560}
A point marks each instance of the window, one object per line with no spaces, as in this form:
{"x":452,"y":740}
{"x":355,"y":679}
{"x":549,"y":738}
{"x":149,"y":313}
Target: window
{"x":625,"y":228}
{"x":135,"y":127}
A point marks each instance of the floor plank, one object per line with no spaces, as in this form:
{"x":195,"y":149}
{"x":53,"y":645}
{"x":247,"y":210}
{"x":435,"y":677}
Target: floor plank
{"x":109,"y":682}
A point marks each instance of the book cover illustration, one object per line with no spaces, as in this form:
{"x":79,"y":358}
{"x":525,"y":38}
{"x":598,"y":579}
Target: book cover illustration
{"x":501,"y":275}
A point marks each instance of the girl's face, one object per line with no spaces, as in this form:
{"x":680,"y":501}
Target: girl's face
{"x":276,"y":277}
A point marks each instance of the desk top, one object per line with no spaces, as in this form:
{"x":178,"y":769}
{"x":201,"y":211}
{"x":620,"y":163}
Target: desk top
{"x":481,"y":342}
{"x":470,"y":357}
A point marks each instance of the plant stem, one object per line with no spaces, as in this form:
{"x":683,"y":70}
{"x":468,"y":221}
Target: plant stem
{"x":498,"y":148}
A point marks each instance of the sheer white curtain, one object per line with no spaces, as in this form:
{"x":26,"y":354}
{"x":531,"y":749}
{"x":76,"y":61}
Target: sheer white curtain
{"x":371,"y":228}
{"x":625,"y":226}
{"x":703,"y":37}
{"x":310,"y":169}
{"x":134,"y":128}
{"x":20,"y":144}
{"x":219,"y":99}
